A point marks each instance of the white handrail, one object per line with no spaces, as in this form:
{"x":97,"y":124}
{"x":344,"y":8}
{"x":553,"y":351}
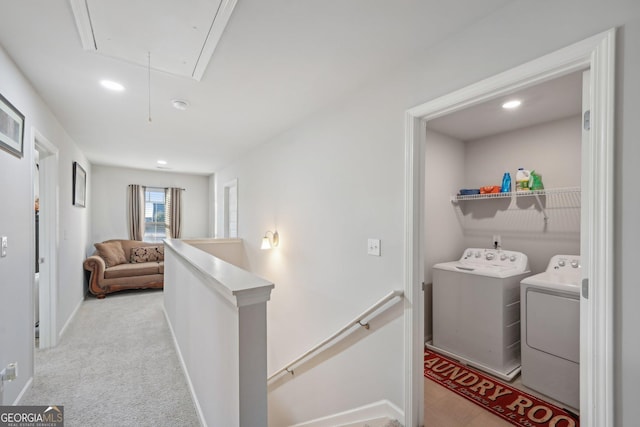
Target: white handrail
{"x":356,"y":321}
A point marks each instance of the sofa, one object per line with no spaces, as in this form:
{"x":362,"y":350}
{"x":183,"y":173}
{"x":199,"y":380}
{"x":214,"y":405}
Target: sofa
{"x":121,"y":264}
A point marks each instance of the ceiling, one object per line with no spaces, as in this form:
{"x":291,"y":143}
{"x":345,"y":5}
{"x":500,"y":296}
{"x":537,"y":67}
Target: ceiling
{"x":551,"y":100}
{"x":276,"y":62}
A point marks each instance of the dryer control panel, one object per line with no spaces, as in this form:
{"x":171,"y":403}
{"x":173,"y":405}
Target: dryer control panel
{"x":559,"y":263}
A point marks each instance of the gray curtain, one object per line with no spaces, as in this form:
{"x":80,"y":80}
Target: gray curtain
{"x":136,"y":211}
{"x":173,"y":215}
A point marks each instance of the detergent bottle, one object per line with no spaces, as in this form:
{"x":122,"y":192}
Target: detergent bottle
{"x":522,"y":179}
{"x":506,"y":183}
{"x":536,"y":181}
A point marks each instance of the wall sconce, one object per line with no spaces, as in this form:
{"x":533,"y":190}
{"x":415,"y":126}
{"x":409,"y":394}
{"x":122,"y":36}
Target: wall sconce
{"x":270,"y":242}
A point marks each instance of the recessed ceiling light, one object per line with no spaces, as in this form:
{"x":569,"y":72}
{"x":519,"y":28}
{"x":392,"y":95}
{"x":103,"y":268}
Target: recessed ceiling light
{"x":162,"y":162}
{"x":111,"y":85}
{"x":509,"y":105}
{"x":180,"y":104}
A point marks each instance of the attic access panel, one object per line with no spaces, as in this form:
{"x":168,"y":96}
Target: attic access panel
{"x":180,"y":35}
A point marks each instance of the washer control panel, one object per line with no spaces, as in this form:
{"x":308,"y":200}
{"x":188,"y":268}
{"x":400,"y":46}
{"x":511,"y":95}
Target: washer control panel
{"x":479,"y":257}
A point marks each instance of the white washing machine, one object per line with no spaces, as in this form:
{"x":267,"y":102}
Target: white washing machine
{"x":476,"y":309}
{"x":551,"y":330}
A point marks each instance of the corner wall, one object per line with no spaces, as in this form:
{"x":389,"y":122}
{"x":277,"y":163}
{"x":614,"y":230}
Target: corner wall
{"x":17,"y":223}
{"x":444,"y":176}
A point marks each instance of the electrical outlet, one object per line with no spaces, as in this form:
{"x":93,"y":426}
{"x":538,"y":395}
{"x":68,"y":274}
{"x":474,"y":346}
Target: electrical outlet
{"x":9,"y":373}
{"x":3,"y":246}
{"x":373,"y":247}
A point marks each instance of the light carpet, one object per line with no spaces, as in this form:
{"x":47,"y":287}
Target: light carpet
{"x":115,"y":365}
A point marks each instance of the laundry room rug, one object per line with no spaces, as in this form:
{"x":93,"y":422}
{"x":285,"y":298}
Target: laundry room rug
{"x":513,"y":405}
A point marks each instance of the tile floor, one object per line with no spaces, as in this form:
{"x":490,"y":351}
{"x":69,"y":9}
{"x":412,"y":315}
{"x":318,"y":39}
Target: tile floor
{"x":444,"y":408}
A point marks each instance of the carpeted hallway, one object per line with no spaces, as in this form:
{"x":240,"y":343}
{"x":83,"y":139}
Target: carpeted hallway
{"x":115,"y":366}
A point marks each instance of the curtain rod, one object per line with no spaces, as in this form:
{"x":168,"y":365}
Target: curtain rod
{"x":155,"y":186}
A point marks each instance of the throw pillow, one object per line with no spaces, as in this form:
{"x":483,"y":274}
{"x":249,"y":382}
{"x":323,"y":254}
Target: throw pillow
{"x":111,"y":252}
{"x":147,"y":254}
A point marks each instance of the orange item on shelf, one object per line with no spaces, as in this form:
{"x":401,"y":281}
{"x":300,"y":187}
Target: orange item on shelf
{"x":490,"y":189}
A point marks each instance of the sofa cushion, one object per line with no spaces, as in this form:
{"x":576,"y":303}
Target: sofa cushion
{"x":130,"y":270}
{"x":111,"y":252}
{"x":147,"y":254}
{"x":127,"y":245}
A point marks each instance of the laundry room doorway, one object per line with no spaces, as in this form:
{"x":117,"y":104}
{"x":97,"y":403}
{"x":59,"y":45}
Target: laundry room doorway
{"x":47,"y":241}
{"x":593,"y":236}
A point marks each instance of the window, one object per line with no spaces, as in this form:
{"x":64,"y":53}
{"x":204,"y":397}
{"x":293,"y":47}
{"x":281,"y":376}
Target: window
{"x":154,"y":215}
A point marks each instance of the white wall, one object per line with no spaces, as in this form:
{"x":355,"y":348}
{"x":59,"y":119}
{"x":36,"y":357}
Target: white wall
{"x":109,"y":191}
{"x":16,"y":222}
{"x":229,"y":250}
{"x":337,"y":178}
{"x":312,"y":184}
{"x":225,"y":309}
{"x":553,"y":149}
{"x":444,"y":176}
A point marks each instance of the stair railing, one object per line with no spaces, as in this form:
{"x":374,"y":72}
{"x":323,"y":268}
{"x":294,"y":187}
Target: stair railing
{"x":357,"y":321}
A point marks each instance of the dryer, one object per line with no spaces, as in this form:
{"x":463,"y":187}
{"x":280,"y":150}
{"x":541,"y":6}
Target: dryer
{"x":550,"y":304}
{"x":476,"y":309}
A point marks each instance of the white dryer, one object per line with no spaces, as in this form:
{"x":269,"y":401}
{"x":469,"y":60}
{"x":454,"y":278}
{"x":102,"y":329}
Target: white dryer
{"x":476,"y":309}
{"x":550,"y":303}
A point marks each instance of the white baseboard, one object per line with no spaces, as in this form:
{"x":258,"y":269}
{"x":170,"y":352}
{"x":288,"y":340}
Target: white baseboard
{"x":68,"y":322}
{"x":186,"y":372}
{"x":26,"y":387}
{"x":377,"y":414}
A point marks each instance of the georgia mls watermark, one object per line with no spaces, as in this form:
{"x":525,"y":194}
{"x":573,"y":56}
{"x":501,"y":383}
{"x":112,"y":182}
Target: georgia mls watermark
{"x":31,"y":416}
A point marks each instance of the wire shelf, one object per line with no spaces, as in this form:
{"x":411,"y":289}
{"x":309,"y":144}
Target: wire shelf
{"x":545,"y":192}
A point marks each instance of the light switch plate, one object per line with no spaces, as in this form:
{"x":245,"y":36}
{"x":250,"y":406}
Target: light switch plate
{"x":3,"y":246}
{"x":373,"y":247}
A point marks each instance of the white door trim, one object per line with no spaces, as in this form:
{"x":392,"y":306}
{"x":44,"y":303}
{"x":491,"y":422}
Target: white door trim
{"x":229,"y":209}
{"x":48,"y":291}
{"x":596,"y":324}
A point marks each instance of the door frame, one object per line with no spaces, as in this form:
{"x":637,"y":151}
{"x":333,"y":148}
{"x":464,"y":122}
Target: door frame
{"x":596,"y":53}
{"x":48,"y":289}
{"x":227,"y":209}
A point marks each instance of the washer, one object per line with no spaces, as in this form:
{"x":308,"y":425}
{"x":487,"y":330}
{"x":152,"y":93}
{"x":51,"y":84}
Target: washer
{"x":551,"y":330}
{"x":476,"y":309}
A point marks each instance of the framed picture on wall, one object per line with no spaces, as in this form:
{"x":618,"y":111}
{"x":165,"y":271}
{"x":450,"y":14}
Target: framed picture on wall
{"x":11,"y":128}
{"x":79,"y":186}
